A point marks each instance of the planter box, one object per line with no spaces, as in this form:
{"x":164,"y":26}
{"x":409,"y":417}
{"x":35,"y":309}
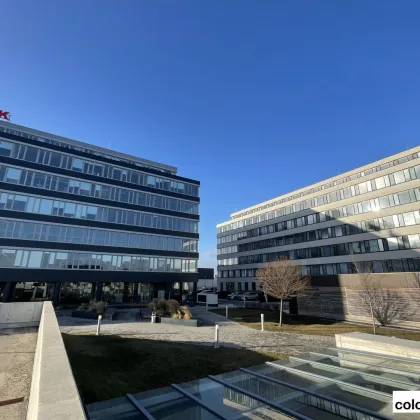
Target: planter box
{"x":184,"y":322}
{"x":86,"y":315}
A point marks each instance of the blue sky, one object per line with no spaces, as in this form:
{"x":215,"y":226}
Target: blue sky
{"x":253,"y":98}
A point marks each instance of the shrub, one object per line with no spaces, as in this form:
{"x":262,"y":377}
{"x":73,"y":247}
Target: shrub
{"x":160,"y":306}
{"x":177,"y":314}
{"x":84,"y":307}
{"x":170,"y":308}
{"x":186,"y":313}
{"x":173,"y":306}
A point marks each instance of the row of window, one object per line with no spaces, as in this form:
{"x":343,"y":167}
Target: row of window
{"x":375,"y":204}
{"x":22,"y":258}
{"x":348,"y":248}
{"x":389,"y":222}
{"x":379,"y":266}
{"x":332,"y":184}
{"x":14,"y":229}
{"x":395,"y":178}
{"x":73,"y":163}
{"x":46,"y":181}
{"x":46,"y":206}
{"x":230,"y":286}
{"x":83,"y":149}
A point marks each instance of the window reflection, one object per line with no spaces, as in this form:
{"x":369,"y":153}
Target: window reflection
{"x":46,"y":157}
{"x":86,"y":261}
{"x":62,"y":184}
{"x":105,"y":214}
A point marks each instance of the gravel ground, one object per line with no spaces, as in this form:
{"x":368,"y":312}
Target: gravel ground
{"x":17,"y":351}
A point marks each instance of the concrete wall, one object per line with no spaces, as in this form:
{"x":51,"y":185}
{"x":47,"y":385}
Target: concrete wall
{"x":54,"y":393}
{"x":15,"y":315}
{"x":390,"y":346}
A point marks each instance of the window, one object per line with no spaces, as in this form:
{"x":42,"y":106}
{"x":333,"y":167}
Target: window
{"x":404,"y":197}
{"x":253,"y":286}
{"x":69,"y":210}
{"x":392,"y":244}
{"x":19,"y":203}
{"x":7,"y":257}
{"x":239,"y":286}
{"x":31,"y":154}
{"x":77,"y":165}
{"x":380,"y":183}
{"x":55,"y":159}
{"x":35,"y":258}
{"x":5,"y":148}
{"x":13,"y":175}
{"x":409,"y":219}
{"x":365,"y":187}
{"x":413,"y":241}
{"x":399,"y":177}
{"x":46,"y":206}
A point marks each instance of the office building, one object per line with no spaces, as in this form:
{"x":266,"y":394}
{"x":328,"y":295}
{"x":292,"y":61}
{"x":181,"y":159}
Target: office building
{"x":368,"y":214}
{"x":78,"y":219}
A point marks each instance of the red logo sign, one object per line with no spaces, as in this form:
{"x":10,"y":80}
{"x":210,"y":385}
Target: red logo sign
{"x":4,"y":115}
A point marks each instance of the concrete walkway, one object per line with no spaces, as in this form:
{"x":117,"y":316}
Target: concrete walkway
{"x":232,"y":334}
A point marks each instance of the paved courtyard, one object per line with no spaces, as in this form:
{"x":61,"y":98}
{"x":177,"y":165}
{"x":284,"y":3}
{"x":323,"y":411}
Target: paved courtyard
{"x":232,"y":334}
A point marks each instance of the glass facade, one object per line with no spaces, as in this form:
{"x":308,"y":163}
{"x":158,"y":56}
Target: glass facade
{"x":53,"y":217}
{"x":86,"y":166}
{"x":49,"y":259}
{"x":15,"y":229}
{"x":43,"y":180}
{"x":77,"y":210}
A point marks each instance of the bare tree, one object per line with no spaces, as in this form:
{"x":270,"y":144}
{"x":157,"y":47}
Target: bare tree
{"x":412,"y":281}
{"x":368,"y":287}
{"x":382,"y":303}
{"x":282,"y":279}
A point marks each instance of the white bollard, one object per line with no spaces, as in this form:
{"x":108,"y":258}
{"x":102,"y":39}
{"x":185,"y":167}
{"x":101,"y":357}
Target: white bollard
{"x":98,"y":328}
{"x":262,"y":322}
{"x":227,"y":312}
{"x":216,"y":337}
{"x":153,"y":318}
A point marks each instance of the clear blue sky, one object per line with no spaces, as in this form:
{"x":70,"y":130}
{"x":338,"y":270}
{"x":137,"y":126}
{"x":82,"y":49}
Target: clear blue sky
{"x":252,"y":98}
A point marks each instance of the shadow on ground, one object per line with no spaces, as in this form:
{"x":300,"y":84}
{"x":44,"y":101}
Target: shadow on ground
{"x":111,"y":366}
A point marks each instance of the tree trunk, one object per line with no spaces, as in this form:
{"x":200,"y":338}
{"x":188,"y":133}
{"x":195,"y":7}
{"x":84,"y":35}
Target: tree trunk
{"x":281,"y":312}
{"x":373,"y":319}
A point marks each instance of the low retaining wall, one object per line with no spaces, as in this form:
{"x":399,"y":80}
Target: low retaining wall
{"x":18,"y":315}
{"x":54,"y":393}
{"x":184,"y":322}
{"x":343,"y":303}
{"x":379,"y":344}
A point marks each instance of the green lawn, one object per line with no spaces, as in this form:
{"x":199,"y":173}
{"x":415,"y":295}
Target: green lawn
{"x":307,"y":325}
{"x":111,"y":366}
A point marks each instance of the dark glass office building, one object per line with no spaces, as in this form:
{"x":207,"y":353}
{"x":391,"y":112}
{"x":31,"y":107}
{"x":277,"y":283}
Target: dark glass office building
{"x":78,"y":221}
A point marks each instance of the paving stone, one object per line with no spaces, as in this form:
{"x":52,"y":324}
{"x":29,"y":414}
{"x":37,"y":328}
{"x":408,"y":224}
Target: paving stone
{"x":232,"y":334}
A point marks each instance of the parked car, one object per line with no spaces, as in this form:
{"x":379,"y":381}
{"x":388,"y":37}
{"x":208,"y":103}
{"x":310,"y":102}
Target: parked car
{"x":249,"y":296}
{"x":232,"y":295}
{"x":205,"y":292}
{"x":239,"y":295}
